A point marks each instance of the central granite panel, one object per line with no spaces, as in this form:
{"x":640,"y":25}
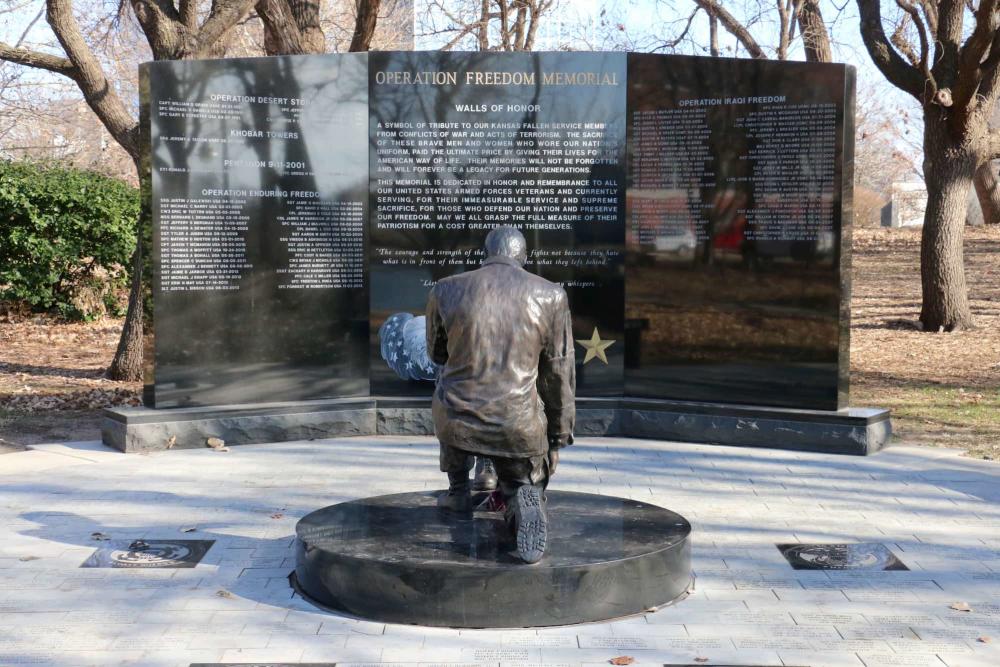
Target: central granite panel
{"x":465,"y":142}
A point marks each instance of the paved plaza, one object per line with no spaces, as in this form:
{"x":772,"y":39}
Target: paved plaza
{"x":937,"y":512}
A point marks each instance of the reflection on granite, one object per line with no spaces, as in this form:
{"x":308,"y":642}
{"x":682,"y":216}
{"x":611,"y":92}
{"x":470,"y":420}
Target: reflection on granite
{"x":400,"y":558}
{"x":258,"y":228}
{"x":735,"y":229}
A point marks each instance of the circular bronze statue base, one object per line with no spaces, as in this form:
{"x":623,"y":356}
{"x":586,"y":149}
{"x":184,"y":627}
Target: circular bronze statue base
{"x":401,"y":559}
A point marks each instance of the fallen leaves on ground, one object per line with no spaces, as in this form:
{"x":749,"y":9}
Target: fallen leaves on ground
{"x":28,"y":400}
{"x":217,"y":444}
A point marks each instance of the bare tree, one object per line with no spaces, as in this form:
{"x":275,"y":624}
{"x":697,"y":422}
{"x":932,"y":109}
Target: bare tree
{"x":802,"y":14}
{"x":174,"y":30}
{"x":953,"y":71}
{"x":491,"y":25}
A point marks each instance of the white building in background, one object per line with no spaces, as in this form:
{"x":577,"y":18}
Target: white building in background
{"x":907,"y":203}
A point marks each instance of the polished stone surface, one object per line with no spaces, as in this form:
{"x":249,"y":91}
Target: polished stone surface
{"x":257,"y":238}
{"x":852,"y":556}
{"x":400,"y":558}
{"x":739,"y":212}
{"x":706,"y":239}
{"x":499,"y":148}
{"x":149,"y":554}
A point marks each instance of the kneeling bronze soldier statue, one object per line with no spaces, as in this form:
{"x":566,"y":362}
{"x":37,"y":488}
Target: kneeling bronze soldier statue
{"x":504,"y":339}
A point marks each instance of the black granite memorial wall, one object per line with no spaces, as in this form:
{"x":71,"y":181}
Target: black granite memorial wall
{"x":259,"y":196}
{"x":739,"y":194}
{"x":696,"y":210}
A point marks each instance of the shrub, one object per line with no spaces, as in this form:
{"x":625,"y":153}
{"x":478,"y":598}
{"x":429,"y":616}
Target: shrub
{"x":66,"y":239}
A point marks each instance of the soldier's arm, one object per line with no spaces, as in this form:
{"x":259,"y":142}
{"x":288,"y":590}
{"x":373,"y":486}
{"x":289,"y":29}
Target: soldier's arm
{"x":557,"y":376}
{"x":437,"y":337}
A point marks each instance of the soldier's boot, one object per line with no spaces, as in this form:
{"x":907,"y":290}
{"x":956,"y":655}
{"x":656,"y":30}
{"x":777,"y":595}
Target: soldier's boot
{"x":458,"y":498}
{"x":526,"y":518}
{"x":486,"y":475}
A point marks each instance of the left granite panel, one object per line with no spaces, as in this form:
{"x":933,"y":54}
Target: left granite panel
{"x":145,"y":429}
{"x":257,"y":198}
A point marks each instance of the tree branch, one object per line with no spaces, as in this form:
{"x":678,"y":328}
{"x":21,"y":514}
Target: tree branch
{"x":162,"y":26}
{"x":223,"y":16}
{"x":902,"y":44}
{"x":970,"y":57}
{"x":364,"y":26}
{"x":899,"y":73}
{"x":993,"y":145}
{"x":733,"y":27}
{"x":948,"y":38}
{"x":90,"y":77}
{"x":784,"y":23}
{"x":38,"y":60}
{"x":281,"y":33}
{"x":924,"y":42}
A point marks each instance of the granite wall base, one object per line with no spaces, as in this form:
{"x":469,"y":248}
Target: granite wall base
{"x":857,"y":431}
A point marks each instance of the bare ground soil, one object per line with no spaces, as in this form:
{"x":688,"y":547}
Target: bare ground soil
{"x":943,"y":388}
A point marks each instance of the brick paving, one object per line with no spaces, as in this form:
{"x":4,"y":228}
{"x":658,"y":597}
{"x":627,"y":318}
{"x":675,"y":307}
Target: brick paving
{"x":938,"y":512}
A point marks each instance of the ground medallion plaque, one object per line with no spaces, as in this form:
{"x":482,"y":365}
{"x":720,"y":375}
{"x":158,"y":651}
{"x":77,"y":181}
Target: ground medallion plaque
{"x":149,"y":554}
{"x":859,"y":556}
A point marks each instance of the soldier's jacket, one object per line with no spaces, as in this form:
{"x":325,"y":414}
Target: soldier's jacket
{"x":505,"y":341}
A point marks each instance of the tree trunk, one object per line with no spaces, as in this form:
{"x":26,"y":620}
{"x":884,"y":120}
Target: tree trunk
{"x":364,"y":25}
{"x":948,"y":173}
{"x":127,"y":366}
{"x":988,"y":193}
{"x":815,"y":38}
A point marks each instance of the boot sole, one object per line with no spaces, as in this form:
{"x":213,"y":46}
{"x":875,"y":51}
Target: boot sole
{"x":532,"y":525}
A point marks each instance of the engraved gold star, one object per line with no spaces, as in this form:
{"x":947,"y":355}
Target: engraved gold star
{"x":595,"y":347}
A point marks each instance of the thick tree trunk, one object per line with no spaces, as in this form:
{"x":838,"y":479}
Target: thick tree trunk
{"x":127,"y":366}
{"x":364,"y":25}
{"x":815,"y":37}
{"x":948,"y":173}
{"x":988,"y":193}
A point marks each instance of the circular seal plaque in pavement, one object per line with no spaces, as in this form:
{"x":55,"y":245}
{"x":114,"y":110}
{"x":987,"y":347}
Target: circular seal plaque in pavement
{"x":400,"y":559}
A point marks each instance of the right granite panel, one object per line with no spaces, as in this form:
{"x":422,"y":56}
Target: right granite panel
{"x":738,"y":231}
